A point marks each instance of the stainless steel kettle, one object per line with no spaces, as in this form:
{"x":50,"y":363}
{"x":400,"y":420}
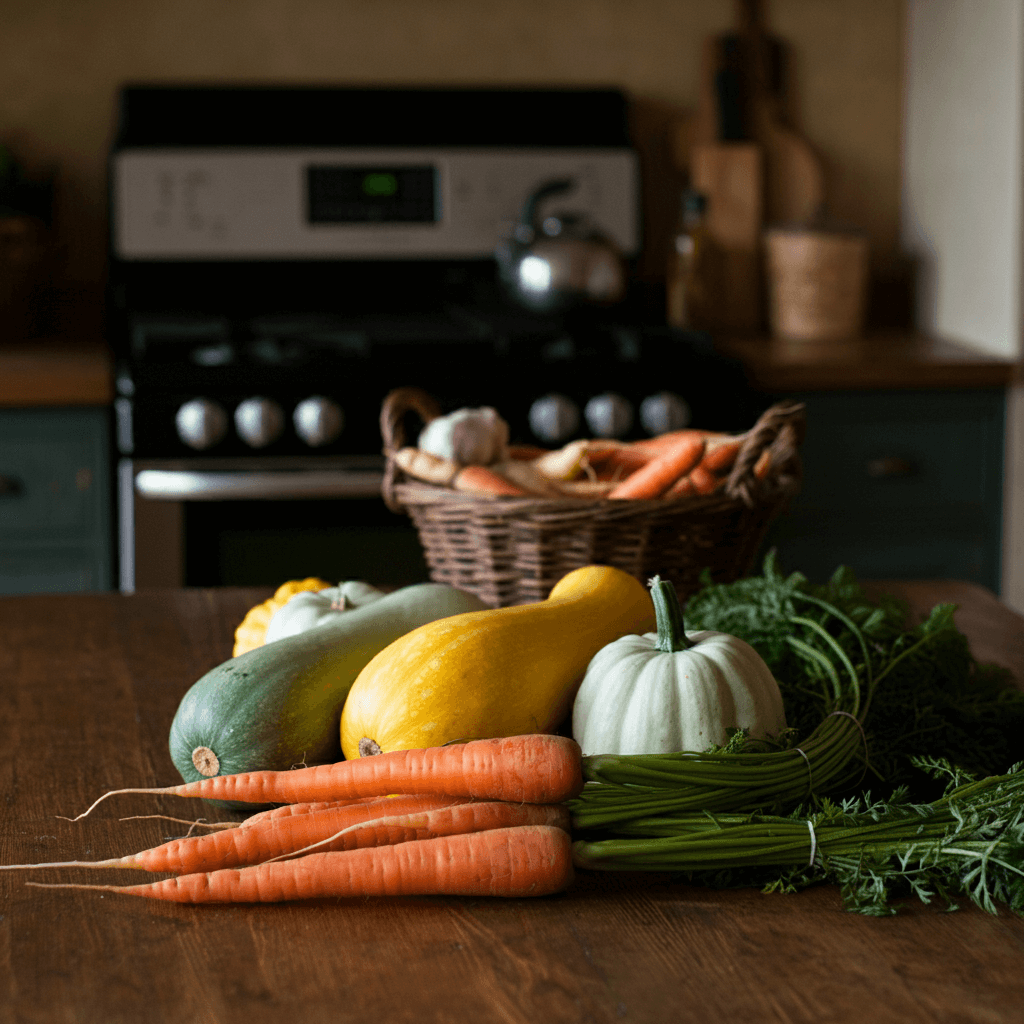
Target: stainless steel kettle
{"x":555,"y":262}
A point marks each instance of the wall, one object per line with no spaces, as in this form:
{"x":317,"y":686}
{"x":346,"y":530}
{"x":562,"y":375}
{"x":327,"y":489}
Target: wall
{"x":62,"y":60}
{"x":962,"y":201}
{"x":961,"y":188}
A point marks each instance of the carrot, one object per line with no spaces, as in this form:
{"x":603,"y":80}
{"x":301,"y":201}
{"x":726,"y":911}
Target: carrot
{"x":273,"y":837}
{"x":612,"y":461}
{"x":682,"y":488}
{"x":526,"y":860}
{"x":535,"y":768}
{"x":763,"y":464}
{"x":485,"y":482}
{"x":720,"y":455}
{"x":456,"y":819}
{"x":662,"y":471}
{"x":382,"y":822}
{"x":428,"y":801}
{"x":703,"y":481}
{"x":653,"y":446}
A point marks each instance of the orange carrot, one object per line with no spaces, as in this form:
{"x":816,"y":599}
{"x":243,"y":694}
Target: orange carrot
{"x":536,"y":768}
{"x":427,"y":802}
{"x":526,"y":860}
{"x":703,"y":481}
{"x":682,"y":488}
{"x":720,"y":455}
{"x":382,"y":822}
{"x":763,"y":464}
{"x":662,"y":471}
{"x":251,"y":844}
{"x":486,"y":483}
{"x":458,"y":818}
{"x":610,"y":461}
{"x":653,"y":446}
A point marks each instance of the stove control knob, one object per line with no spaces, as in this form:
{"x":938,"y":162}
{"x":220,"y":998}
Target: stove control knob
{"x":318,"y":420}
{"x":609,"y":415}
{"x":554,"y":418}
{"x":201,"y":423}
{"x":259,"y":421}
{"x":663,"y":412}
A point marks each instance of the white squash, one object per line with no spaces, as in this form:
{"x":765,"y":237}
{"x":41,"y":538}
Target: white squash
{"x":470,"y":437}
{"x":668,"y":691}
{"x":309,"y":608}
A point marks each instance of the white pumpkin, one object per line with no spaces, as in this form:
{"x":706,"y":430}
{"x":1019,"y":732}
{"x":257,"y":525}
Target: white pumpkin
{"x":308,"y":608}
{"x":674,"y":690}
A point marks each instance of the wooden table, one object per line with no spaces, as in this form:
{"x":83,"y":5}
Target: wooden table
{"x":88,"y":687}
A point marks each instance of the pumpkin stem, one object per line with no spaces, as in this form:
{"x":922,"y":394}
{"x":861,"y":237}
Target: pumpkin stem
{"x":669,"y":616}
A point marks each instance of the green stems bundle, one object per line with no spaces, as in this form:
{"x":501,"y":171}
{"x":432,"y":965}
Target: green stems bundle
{"x":622,"y":787}
{"x":970,"y":841}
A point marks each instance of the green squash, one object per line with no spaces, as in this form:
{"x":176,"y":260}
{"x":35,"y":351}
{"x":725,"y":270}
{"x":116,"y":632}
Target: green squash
{"x":279,"y":705}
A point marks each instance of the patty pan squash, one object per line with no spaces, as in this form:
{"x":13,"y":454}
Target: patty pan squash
{"x":252,"y":630}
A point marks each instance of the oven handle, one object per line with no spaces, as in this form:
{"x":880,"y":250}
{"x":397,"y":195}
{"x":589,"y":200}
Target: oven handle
{"x":193,"y":485}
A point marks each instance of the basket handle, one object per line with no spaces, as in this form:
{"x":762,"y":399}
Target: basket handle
{"x":396,"y":405}
{"x":781,"y":429}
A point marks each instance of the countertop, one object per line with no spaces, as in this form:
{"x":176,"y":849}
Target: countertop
{"x":77,"y":369}
{"x":59,"y":370}
{"x":892,"y":360}
{"x":90,"y":685}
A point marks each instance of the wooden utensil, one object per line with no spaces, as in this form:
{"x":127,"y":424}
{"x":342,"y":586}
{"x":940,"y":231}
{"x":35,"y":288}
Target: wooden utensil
{"x":794,"y":185}
{"x":794,"y":177}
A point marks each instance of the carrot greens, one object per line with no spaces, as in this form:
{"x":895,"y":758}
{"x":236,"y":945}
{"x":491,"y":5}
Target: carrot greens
{"x":969,"y":842}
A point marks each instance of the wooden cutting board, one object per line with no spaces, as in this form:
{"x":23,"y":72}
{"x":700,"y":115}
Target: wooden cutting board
{"x":794,"y":176}
{"x":731,"y":175}
{"x":794,"y":179}
{"x":783,"y":185}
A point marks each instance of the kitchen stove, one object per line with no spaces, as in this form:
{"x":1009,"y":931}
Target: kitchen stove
{"x":282,"y":258}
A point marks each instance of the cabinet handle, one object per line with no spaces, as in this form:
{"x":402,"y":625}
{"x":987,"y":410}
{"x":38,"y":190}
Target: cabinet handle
{"x":9,"y":486}
{"x":891,"y":467}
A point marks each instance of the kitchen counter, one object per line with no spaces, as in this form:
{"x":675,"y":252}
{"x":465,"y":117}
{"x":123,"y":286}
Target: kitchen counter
{"x":90,"y":685}
{"x":78,"y":370}
{"x":60,"y":370}
{"x":890,"y":360}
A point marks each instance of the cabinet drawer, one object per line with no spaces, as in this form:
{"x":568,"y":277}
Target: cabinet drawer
{"x":895,"y":451}
{"x":54,"y":479}
{"x":53,"y":570}
{"x":898,"y":485}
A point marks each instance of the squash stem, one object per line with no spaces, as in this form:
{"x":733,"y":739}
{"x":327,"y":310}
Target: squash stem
{"x":669,"y":616}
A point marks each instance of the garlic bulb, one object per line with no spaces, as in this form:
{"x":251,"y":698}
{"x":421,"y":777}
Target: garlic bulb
{"x":471,"y":437}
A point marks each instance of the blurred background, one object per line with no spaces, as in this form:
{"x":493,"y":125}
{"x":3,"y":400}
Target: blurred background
{"x":912,"y":108}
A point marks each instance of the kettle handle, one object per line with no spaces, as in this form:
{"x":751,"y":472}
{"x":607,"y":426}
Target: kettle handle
{"x":528,"y":215}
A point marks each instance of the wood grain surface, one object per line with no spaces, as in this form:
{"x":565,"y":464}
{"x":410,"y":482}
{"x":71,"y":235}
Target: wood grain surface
{"x":88,"y":687}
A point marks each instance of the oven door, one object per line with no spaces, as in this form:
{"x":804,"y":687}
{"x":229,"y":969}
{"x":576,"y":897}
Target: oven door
{"x":253,"y":522}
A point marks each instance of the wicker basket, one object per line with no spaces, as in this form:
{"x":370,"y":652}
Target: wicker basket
{"x":514,"y":550}
{"x":817,"y":283}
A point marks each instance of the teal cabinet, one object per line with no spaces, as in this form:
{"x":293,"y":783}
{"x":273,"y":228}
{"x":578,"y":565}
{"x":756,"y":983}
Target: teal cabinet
{"x":56,"y":523}
{"x":899,"y":485}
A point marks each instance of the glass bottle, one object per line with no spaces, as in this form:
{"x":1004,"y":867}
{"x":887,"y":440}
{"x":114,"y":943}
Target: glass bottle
{"x":685,"y":283}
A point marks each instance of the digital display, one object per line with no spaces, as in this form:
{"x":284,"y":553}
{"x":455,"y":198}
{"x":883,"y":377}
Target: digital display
{"x":371,"y":195}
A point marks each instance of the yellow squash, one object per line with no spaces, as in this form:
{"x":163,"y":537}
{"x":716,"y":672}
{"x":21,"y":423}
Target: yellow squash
{"x":497,"y":672}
